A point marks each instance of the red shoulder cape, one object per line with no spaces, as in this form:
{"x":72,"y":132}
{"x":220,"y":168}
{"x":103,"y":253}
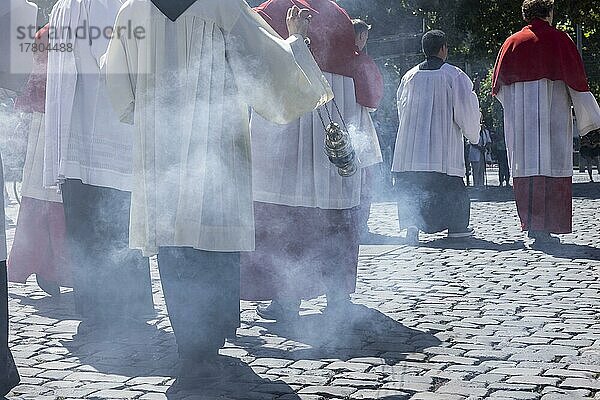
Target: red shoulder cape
{"x":332,"y":44}
{"x":540,"y":51}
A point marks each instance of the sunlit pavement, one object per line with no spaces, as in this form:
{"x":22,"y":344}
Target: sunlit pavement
{"x":483,"y":318}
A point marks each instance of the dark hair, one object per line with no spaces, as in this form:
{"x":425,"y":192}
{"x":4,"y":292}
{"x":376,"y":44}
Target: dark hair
{"x":360,"y":26}
{"x":533,"y":9}
{"x":433,"y":41}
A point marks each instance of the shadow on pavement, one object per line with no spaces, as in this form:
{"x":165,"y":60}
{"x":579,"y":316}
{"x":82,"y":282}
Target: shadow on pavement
{"x":238,"y":382}
{"x":590,"y":191}
{"x":493,"y":194}
{"x":127,"y":347}
{"x":473,"y":244}
{"x":571,"y":251}
{"x":374,"y":239}
{"x":360,"y":332}
{"x":57,"y":307}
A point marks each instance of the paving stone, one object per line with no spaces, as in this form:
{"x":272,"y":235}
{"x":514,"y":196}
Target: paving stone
{"x":534,"y":380}
{"x":454,"y":360}
{"x":436,"y":396}
{"x":464,"y":388}
{"x":581,"y":383}
{"x":154,"y":396}
{"x":117,"y":394}
{"x":333,"y":391}
{"x":348,"y":366}
{"x":356,"y":383}
{"x":509,"y":394}
{"x":516,"y":371}
{"x":488,"y":378}
{"x":368,"y":394}
{"x":567,"y":373}
{"x":271,"y":363}
{"x":95,"y":377}
{"x":411,"y":384}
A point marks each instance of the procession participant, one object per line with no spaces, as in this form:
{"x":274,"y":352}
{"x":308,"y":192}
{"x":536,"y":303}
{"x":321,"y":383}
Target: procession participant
{"x":15,"y":67}
{"x":88,"y":154}
{"x":477,"y":156}
{"x":188,"y":92}
{"x":361,"y":33}
{"x":436,"y":108}
{"x":538,"y":77}
{"x":39,"y":245}
{"x":307,"y":215}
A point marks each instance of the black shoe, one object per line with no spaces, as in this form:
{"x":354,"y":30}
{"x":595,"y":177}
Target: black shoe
{"x":50,"y":287}
{"x":196,"y":372}
{"x":543,"y":239}
{"x":279,"y":310}
{"x":338,"y":305}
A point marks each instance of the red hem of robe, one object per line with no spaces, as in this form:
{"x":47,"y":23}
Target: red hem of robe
{"x":545,"y":204}
{"x":39,"y":246}
{"x":301,"y":253}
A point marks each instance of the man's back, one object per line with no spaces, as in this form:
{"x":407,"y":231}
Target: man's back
{"x":436,"y":108}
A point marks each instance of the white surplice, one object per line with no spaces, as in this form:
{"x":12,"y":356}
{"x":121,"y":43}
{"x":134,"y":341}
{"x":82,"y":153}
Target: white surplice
{"x":436,"y":109}
{"x":188,"y":87}
{"x":84,"y":138}
{"x":33,"y":170}
{"x":290,"y":166}
{"x":539,"y":127}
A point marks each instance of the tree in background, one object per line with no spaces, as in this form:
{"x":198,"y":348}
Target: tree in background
{"x":476,"y":30}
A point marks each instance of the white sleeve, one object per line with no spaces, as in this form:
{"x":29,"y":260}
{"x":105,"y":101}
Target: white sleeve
{"x":278,"y":78}
{"x":587,"y":111}
{"x":466,"y":108}
{"x":119,"y":68}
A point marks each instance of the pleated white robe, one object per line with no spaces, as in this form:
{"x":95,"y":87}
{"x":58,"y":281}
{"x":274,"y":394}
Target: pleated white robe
{"x":33,"y":170}
{"x":436,"y":109}
{"x":188,"y":86}
{"x":290,"y":166}
{"x":84,"y":138}
{"x":538,"y":126}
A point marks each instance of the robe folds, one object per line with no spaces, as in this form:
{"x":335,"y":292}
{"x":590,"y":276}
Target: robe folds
{"x":39,"y":246}
{"x":84,"y":138}
{"x":303,"y":175}
{"x":436,"y":109}
{"x":187,"y":87}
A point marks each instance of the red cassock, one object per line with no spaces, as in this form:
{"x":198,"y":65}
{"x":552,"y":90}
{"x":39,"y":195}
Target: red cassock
{"x":39,"y":244}
{"x":332,"y":43}
{"x":537,"y":52}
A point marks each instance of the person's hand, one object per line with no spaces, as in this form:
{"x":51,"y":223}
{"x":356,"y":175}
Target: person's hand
{"x":298,"y":21}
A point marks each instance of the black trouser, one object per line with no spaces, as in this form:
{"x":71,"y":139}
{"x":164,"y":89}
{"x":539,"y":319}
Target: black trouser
{"x":433,"y":202}
{"x":9,"y":377}
{"x":503,"y":169}
{"x":110,"y":281}
{"x":202,"y":293}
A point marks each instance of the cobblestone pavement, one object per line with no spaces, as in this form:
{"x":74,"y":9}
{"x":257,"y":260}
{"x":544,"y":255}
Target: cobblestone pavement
{"x":485,"y":318}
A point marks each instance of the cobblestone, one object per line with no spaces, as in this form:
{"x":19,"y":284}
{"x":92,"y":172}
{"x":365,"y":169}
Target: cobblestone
{"x":482,"y":318}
